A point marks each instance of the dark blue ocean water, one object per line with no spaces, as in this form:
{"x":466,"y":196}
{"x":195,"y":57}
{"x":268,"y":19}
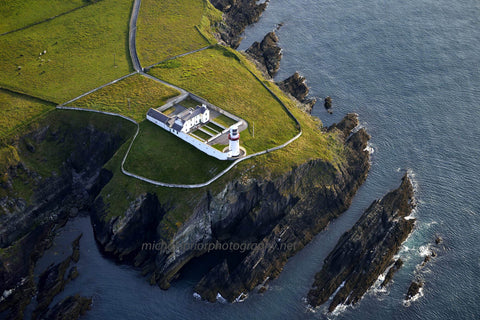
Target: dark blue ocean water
{"x":411,"y":70}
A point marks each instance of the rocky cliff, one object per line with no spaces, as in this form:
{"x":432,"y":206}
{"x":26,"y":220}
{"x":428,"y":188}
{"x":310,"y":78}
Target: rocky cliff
{"x":267,"y":53}
{"x":296,"y":86}
{"x":280,"y":216}
{"x":365,"y":252}
{"x":74,"y":148}
{"x":237,"y":15}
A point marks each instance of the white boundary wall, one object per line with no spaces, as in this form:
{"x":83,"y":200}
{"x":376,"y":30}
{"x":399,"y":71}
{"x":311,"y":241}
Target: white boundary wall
{"x":194,"y":142}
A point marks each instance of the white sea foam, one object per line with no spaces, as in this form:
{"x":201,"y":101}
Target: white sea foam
{"x":241,"y":297}
{"x":197,"y":296}
{"x":407,"y":303}
{"x":412,"y":176}
{"x":424,"y":250}
{"x":220,"y":298}
{"x":338,"y":289}
{"x":369,"y":148}
{"x":339,"y":309}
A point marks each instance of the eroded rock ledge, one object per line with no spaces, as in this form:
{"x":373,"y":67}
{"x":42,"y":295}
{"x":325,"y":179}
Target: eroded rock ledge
{"x":365,"y":252}
{"x":296,"y":86}
{"x":289,"y":209}
{"x":237,"y":15}
{"x":267,"y":53}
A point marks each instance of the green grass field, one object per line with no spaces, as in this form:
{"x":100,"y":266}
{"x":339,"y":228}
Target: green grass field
{"x":218,"y":76}
{"x":81,"y":48}
{"x":132,"y":97}
{"x":168,"y":28}
{"x":18,"y":110}
{"x":159,"y":155}
{"x":224,"y":120}
{"x":15,"y":14}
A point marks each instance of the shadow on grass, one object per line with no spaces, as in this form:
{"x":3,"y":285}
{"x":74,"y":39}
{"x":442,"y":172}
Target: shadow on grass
{"x":159,"y":155}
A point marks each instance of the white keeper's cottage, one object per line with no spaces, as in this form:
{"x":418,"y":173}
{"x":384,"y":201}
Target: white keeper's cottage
{"x":185,"y":120}
{"x":189,"y":120}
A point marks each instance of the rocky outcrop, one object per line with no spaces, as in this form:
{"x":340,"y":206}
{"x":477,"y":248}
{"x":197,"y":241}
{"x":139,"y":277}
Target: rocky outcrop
{"x":280,"y":216}
{"x":296,"y":86}
{"x":267,"y":53}
{"x":79,"y":149}
{"x":237,"y":15}
{"x":53,"y":280}
{"x":413,"y":290}
{"x":433,"y":250}
{"x":364,"y":252}
{"x":70,"y":308}
{"x":328,"y":104}
{"x":345,"y":125}
{"x":394,"y":268}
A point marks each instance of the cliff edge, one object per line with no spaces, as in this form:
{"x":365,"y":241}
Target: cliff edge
{"x":280,"y":215}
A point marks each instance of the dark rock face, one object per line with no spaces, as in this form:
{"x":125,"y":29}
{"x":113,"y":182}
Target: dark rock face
{"x":70,"y":308}
{"x":237,"y":15}
{"x":345,"y":126}
{"x":328,"y":104}
{"x":26,"y":230}
{"x":413,"y":290}
{"x":267,"y":53}
{"x":281,"y":215}
{"x":296,"y":86}
{"x":364,"y":252}
{"x":52,"y":281}
{"x":395,"y":267}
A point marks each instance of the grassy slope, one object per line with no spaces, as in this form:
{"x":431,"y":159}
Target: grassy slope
{"x":168,"y":28}
{"x":122,"y":190}
{"x":216,"y":75}
{"x":52,"y":152}
{"x":80,"y":52}
{"x":143,"y":93}
{"x":15,"y":14}
{"x":18,"y":110}
{"x":161,"y":156}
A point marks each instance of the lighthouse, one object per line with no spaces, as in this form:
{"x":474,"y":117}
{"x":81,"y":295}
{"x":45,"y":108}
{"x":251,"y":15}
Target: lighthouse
{"x":234,"y":141}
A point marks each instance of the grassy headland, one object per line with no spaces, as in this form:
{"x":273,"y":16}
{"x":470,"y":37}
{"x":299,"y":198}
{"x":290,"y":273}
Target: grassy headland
{"x":81,"y":48}
{"x":219,"y":76}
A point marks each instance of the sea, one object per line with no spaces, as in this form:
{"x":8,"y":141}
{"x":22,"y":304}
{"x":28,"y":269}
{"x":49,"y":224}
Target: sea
{"x":411,"y":70}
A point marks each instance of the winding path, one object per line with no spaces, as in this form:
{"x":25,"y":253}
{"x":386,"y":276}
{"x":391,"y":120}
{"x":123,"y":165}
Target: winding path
{"x":138,"y":69}
{"x":132,"y":36}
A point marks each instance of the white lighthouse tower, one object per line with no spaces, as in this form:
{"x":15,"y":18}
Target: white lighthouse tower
{"x":234,"y":141}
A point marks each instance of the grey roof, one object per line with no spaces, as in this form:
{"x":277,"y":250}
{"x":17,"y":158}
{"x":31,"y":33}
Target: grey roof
{"x":158,"y":115}
{"x":177,"y":127}
{"x":198,"y":110}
